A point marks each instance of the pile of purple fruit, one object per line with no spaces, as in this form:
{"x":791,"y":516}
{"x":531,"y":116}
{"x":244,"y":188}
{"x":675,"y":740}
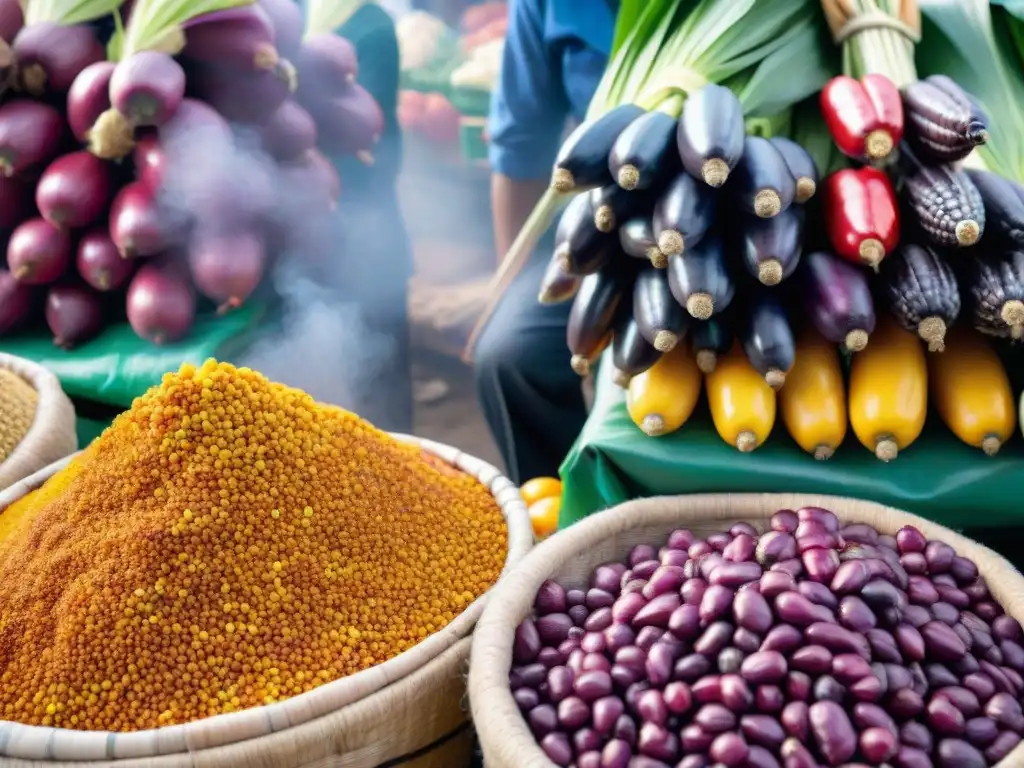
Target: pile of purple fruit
{"x":812,"y":644}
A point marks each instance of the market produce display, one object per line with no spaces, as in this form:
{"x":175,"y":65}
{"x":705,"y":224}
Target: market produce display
{"x":684,"y":219}
{"x":168,"y":169}
{"x":227,"y":543}
{"x":810,"y":644}
{"x":18,"y":401}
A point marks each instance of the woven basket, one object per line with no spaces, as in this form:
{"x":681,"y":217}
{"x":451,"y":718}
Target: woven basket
{"x":52,"y":435}
{"x":570,"y":556}
{"x":408,"y":711}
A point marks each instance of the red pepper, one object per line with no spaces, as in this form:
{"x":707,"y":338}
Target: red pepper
{"x":865,"y":118}
{"x":861,"y":215}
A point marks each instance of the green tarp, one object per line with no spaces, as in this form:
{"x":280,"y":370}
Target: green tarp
{"x":938,"y":477}
{"x":117,"y":366}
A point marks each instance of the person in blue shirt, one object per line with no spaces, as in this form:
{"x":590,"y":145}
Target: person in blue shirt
{"x":555,"y":54}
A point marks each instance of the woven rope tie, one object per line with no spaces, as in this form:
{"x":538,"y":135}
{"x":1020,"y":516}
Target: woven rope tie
{"x":875,"y":20}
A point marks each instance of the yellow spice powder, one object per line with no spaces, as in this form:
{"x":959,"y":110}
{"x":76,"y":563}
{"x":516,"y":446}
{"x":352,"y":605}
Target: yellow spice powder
{"x":18,"y":401}
{"x":226,"y":543}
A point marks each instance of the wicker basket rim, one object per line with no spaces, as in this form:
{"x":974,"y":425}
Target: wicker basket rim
{"x":45,"y":743}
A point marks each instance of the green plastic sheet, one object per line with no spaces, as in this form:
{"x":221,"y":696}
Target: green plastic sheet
{"x":117,"y":366}
{"x":938,"y":477}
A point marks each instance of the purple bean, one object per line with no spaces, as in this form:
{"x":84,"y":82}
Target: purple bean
{"x":642,"y":552}
{"x":684,"y":623}
{"x":910,"y":539}
{"x":785,"y":520}
{"x":1003,"y":745}
{"x":827,"y":688}
{"x":819,"y":515}
{"x":553,"y":628}
{"x":558,"y":748}
{"x":714,"y":638}
{"x":963,"y":570}
{"x":774,"y":583}
{"x":735,"y":574}
{"x":769,"y":698}
{"x":742,"y":527}
{"x":594,"y":651}
{"x":775,"y":546}
{"x":1005,"y":710}
{"x":735,"y":693}
{"x":695,"y":739}
{"x":715,"y":603}
{"x":598,"y":621}
{"x":945,"y":579}
{"x":709,"y":564}
{"x":551,"y":657}
{"x":910,"y":642}
{"x":966,"y":665}
{"x":919,"y":680}
{"x":818,"y":593}
{"x":593,"y":685}
{"x":782,"y":638}
{"x":956,"y":753}
{"x":526,"y":698}
{"x":590,"y":759}
{"x":908,"y":757}
{"x":632,"y":694}
{"x":660,"y":661}
{"x":623,"y":677}
{"x":666,"y":578}
{"x":917,"y":735}
{"x":578,"y":614}
{"x":715,"y":718}
{"x":944,"y":717}
{"x":699,"y":548}
{"x":631,"y":656}
{"x":1015,"y":678}
{"x":954,"y":596}
{"x":719,"y":541}
{"x":815,"y":540}
{"x":897,"y":677}
{"x":793,"y":608}
{"x":616,"y":754}
{"x":741,"y":548}
{"x":794,"y":567}
{"x":798,"y":686}
{"x":560,"y":681}
{"x":1007,"y":628}
{"x":914,"y":563}
{"x":627,"y":607}
{"x":646,"y":569}
{"x":854,"y":614}
{"x":1013,"y":654}
{"x":729,"y":660}
{"x":764,"y":730}
{"x":877,"y":745}
{"x":812,"y":659}
{"x":650,"y":705}
{"x":691,"y":668}
{"x":587,"y":740}
{"x":707,"y":689}
{"x":530,"y":675}
{"x":905,"y":703}
{"x":837,"y":639}
{"x":962,"y":698}
{"x":916,"y":616}
{"x":693,"y":591}
{"x":981,"y":731}
{"x":848,"y":668}
{"x":832,"y":731}
{"x":605,"y":712}
{"x":880,"y":594}
{"x":573,"y":713}
{"x":634,"y":586}
{"x":921,"y":591}
{"x":681,"y":538}
{"x":757,"y":757}
{"x":677,"y":697}
{"x":939,"y":556}
{"x":543,"y":720}
{"x":939,"y":676}
{"x":980,"y":685}
{"x":648,"y":636}
{"x":796,"y":755}
{"x":942,"y":642}
{"x":550,"y":598}
{"x":527,"y":643}
{"x":867,"y":689}
{"x":867,"y":715}
{"x":795,"y":721}
{"x":977,"y":591}
{"x":820,"y":564}
{"x":745,"y":640}
{"x":965,"y":634}
{"x":618,"y":636}
{"x":599,"y":598}
{"x":673,"y":557}
{"x":883,"y":646}
{"x":574,"y":660}
{"x":625,"y":729}
{"x":987,"y":610}
{"x":579,"y":597}
{"x":729,"y":749}
{"x":752,"y":611}
{"x":860,"y":533}
{"x":764,"y":667}
{"x":657,"y":611}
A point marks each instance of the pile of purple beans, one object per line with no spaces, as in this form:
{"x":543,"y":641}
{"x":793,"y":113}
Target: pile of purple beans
{"x":808,"y":645}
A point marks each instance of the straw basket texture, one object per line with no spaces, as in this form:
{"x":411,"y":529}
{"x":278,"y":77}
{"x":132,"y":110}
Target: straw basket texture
{"x":405,"y":713}
{"x":569,"y":556}
{"x":52,"y":435}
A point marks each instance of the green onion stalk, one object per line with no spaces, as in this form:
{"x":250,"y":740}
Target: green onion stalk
{"x":970,"y":41}
{"x":771,"y":54}
{"x":876,"y":37}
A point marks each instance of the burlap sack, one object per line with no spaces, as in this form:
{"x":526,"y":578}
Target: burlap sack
{"x":407,"y":712}
{"x":52,"y":435}
{"x":570,"y":556}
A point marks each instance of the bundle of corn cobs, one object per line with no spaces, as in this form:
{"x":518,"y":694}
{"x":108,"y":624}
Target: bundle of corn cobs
{"x":687,"y":226}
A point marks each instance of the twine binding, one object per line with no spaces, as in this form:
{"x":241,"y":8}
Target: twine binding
{"x":875,"y":20}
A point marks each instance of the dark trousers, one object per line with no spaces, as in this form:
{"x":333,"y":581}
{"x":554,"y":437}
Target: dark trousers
{"x":531,"y":398}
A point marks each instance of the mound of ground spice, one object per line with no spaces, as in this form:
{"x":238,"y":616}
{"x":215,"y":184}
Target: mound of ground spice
{"x":229,"y":542}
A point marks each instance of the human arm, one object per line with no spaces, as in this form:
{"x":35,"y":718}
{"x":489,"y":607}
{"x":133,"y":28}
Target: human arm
{"x":528,"y":113}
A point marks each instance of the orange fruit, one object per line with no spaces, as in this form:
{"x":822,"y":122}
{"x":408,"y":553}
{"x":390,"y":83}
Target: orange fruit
{"x":544,"y":515}
{"x":540,"y":488}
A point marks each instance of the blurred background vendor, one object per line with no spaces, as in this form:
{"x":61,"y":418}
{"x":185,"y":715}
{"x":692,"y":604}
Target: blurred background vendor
{"x":555,"y":54}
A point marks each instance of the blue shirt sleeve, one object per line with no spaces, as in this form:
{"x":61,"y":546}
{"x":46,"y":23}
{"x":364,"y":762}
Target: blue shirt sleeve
{"x":529,"y":107}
